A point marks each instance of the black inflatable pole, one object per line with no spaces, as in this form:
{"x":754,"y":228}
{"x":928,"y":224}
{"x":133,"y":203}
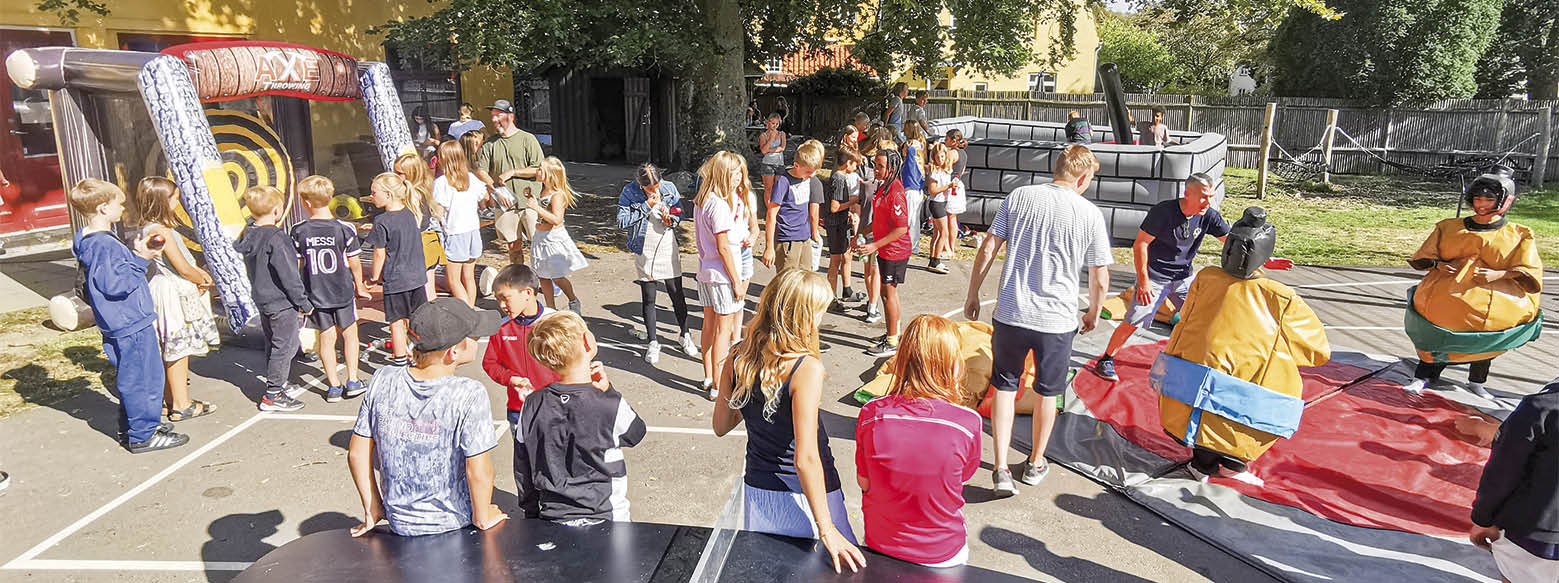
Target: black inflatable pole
{"x":1115,"y":102}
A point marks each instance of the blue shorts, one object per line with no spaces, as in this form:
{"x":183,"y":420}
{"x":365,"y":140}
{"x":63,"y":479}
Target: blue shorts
{"x":1010,"y":347}
{"x":463,"y":247}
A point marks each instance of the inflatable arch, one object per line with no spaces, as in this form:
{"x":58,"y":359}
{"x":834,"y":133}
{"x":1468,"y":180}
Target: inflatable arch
{"x":1004,"y":154}
{"x":173,"y":85}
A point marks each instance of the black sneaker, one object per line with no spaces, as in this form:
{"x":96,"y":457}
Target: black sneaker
{"x":159,"y":440}
{"x":884,"y":348}
{"x":836,"y":307}
{"x":280,"y":402}
{"x":824,"y":347}
{"x":856,"y":297}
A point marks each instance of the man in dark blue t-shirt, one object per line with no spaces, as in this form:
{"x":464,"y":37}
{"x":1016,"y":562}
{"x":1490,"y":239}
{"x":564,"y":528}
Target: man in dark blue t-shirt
{"x":1166,"y":243}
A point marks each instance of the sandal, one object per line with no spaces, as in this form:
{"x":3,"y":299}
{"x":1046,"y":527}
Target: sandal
{"x":196,"y":408}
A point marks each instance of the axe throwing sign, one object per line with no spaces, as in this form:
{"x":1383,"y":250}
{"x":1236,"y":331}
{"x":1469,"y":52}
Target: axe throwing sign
{"x":225,"y":71}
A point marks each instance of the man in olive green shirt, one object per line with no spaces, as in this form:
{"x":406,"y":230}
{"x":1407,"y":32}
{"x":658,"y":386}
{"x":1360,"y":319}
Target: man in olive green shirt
{"x":509,"y":158}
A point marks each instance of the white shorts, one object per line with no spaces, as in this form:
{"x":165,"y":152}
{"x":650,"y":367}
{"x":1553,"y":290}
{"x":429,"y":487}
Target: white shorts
{"x":1520,"y":566}
{"x":720,"y":297}
{"x":1141,"y":316}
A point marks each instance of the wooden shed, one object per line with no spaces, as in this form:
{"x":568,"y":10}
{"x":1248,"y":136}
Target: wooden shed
{"x":613,"y":116}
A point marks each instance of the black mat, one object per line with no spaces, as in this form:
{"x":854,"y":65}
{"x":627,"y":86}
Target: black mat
{"x":541,"y":551}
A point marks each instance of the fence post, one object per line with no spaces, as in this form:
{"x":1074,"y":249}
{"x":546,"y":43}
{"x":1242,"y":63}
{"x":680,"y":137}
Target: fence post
{"x":1385,"y":144}
{"x":1190,"y":112}
{"x":957,"y":103}
{"x":1544,"y":143}
{"x":1263,"y":164}
{"x":1326,"y":149}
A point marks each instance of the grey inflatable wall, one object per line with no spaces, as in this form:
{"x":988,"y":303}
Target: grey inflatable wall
{"x":1004,"y":154}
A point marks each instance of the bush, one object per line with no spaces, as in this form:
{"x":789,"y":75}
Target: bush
{"x":831,"y":82}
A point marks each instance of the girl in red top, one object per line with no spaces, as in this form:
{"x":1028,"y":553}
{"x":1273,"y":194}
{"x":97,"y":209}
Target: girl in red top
{"x":915,"y":449}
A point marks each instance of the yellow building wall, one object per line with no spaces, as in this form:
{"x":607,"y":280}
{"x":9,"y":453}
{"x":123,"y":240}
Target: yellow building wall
{"x":1073,"y":76}
{"x":340,"y":26}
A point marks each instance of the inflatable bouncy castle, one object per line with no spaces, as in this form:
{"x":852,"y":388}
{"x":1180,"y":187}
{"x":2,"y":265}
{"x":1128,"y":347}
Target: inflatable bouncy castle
{"x":101,"y":98}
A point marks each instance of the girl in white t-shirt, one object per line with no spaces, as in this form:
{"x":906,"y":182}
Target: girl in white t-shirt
{"x":721,"y":286}
{"x":459,"y":192}
{"x":938,"y":190}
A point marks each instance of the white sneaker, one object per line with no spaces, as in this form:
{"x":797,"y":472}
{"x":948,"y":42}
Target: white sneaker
{"x":689,"y":347}
{"x":1479,"y":390}
{"x":573,"y":306}
{"x":873,"y":316}
{"x":652,"y":352}
{"x":1249,"y":478}
{"x":1416,"y":387}
{"x":710,"y":390}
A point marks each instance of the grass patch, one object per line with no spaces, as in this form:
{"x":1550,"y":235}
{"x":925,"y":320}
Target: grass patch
{"x":42,"y":366}
{"x":1369,"y":220}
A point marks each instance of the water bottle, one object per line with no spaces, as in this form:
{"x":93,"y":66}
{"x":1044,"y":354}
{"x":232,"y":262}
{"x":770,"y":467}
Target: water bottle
{"x":860,"y":240}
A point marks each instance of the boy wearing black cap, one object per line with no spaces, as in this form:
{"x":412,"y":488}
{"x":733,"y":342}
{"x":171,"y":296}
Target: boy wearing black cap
{"x":428,"y":431}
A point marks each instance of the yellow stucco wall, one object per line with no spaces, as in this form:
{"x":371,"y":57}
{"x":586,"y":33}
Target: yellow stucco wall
{"x":1073,"y":76}
{"x":340,"y":26}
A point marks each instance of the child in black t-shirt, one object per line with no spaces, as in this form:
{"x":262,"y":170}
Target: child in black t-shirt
{"x":398,"y":264}
{"x":332,"y":273}
{"x":840,"y":210}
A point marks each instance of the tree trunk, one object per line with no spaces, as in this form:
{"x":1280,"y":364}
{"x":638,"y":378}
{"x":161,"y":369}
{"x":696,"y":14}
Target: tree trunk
{"x":715,"y":89}
{"x":1542,"y":85}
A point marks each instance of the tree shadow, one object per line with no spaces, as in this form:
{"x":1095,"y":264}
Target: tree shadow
{"x":74,"y":396}
{"x":630,"y":358}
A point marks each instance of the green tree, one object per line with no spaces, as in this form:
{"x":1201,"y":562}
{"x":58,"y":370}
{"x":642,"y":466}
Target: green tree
{"x":1145,"y":65}
{"x":1387,"y":51}
{"x":1524,"y":55}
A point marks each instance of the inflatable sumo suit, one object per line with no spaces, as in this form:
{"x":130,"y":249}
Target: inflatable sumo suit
{"x":1456,"y":318}
{"x":1228,"y":380}
{"x":974,"y":341}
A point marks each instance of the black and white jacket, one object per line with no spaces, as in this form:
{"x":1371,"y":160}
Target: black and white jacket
{"x":574,"y":435}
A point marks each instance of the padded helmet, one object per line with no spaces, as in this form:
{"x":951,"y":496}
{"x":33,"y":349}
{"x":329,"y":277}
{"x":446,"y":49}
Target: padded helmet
{"x":1250,"y":244}
{"x":1497,"y":184}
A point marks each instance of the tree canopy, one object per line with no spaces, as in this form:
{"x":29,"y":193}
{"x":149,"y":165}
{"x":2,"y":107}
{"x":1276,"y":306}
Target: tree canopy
{"x":1387,"y":51}
{"x":1524,"y":55}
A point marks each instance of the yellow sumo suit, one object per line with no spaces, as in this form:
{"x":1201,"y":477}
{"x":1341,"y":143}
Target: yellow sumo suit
{"x":1457,"y":314}
{"x":1228,"y":380}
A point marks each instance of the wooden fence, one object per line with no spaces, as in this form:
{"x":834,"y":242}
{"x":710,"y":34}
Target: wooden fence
{"x":1419,"y":134}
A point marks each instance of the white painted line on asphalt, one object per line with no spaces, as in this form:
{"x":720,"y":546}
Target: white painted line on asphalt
{"x":500,"y":424}
{"x":960,"y":311}
{"x":92,"y":565}
{"x":131,"y":493}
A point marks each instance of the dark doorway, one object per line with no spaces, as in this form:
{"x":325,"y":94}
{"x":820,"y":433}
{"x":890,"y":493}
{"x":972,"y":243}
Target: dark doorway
{"x":610,"y":118}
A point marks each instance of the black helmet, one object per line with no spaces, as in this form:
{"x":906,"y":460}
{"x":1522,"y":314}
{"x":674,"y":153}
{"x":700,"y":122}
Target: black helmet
{"x":1497,"y":184}
{"x":1250,"y":244}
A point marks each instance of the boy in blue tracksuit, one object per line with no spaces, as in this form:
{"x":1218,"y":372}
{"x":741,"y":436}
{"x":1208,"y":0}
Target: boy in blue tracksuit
{"x":122,"y":304}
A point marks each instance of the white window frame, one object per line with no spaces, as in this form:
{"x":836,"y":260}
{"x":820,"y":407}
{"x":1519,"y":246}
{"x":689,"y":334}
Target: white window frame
{"x":774,"y":65}
{"x":1047,"y":82}
{"x":1034,"y":81}
{"x":981,"y":87}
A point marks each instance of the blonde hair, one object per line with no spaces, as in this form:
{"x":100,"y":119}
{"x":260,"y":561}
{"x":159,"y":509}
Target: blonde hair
{"x":452,"y":157}
{"x":91,"y":193}
{"x":926,"y":366}
{"x":263,"y":200}
{"x":398,"y":187}
{"x":555,"y":340}
{"x":913,"y":133}
{"x":785,"y":328}
{"x":415,"y":170}
{"x":715,"y":179}
{"x":810,"y":155}
{"x":317,"y":190}
{"x":151,"y":201}
{"x":555,"y":179}
{"x":472,"y":142}
{"x":1076,"y":161}
{"x":940,"y":157}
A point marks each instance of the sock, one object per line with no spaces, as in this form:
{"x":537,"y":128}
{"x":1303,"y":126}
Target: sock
{"x":893,"y":340}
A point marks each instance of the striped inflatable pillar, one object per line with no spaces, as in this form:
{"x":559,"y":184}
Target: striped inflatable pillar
{"x":203,"y":181}
{"x":384,"y":113}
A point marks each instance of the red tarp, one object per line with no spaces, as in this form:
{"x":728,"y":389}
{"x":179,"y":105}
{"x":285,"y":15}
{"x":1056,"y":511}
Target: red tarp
{"x":1370,"y":455}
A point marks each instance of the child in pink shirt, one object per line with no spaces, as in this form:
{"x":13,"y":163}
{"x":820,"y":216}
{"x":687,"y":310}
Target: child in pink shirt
{"x":915,"y":449}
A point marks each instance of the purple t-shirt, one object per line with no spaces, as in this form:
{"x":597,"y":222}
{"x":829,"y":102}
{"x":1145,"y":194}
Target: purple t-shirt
{"x":795,"y":198}
{"x":713,"y":217}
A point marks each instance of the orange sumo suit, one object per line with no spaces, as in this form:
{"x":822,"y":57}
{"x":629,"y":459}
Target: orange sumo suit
{"x":1256,"y":330}
{"x":1463,"y":303}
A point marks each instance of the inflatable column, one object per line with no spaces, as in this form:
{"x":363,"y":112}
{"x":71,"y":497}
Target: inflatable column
{"x":384,"y":113}
{"x":203,"y":182}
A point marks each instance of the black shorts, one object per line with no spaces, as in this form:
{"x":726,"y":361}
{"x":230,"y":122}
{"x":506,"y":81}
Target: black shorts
{"x":1010,"y":345}
{"x":938,"y":209}
{"x":892,"y":272}
{"x":837,"y":238}
{"x":326,"y":318}
{"x":400,"y":305}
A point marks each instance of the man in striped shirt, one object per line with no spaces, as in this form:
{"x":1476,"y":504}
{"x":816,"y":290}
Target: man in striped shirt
{"x":1053,"y":233}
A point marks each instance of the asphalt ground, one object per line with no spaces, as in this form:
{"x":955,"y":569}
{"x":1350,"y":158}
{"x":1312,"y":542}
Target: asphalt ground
{"x":81,"y":509}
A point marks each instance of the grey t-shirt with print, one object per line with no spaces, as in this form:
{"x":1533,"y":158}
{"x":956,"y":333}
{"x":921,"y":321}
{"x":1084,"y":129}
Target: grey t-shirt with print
{"x":423,"y":431}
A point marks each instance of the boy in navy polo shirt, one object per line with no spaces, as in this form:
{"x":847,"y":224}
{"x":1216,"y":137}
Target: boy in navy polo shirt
{"x":332,"y":273}
{"x":122,"y":305}
{"x":1166,"y":243}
